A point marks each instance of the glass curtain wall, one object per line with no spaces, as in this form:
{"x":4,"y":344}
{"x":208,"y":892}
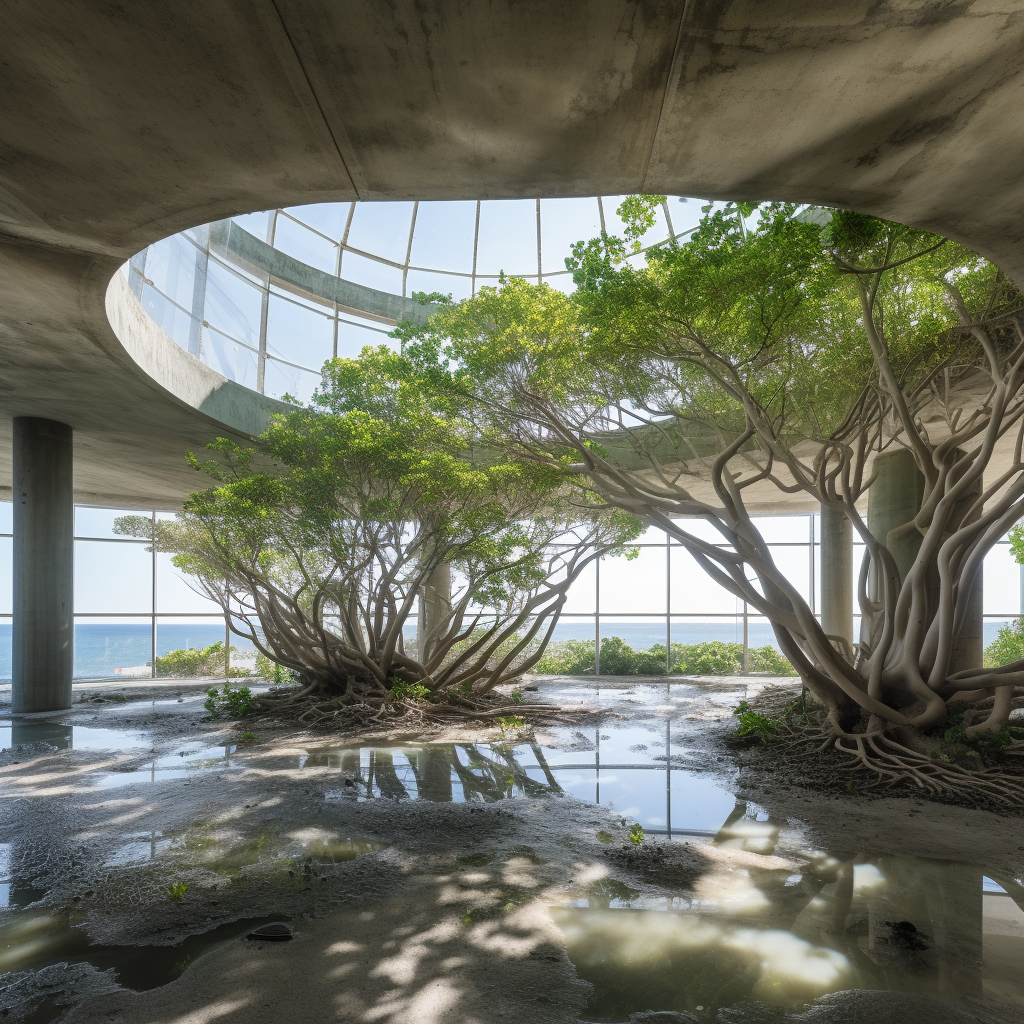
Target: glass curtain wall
{"x":663,"y":597}
{"x":132,"y":606}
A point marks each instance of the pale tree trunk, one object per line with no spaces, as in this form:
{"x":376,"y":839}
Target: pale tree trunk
{"x":435,"y":609}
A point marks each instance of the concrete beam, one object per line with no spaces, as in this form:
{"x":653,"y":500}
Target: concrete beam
{"x":44,"y":561}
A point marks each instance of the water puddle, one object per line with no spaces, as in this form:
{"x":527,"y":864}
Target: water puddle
{"x":69,"y":737}
{"x":227,"y":852}
{"x":176,"y":765}
{"x":766,"y":932}
{"x":637,"y":769}
{"x":12,"y":892}
{"x":33,"y":939}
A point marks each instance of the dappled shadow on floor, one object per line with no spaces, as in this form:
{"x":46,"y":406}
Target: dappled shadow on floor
{"x":420,"y":956}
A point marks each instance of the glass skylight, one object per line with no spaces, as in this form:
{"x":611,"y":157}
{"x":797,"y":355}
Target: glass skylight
{"x":273,"y":340}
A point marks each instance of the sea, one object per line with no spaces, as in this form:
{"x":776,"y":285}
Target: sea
{"x":105,"y":651}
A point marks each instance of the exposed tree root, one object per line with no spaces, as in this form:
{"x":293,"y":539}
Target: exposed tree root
{"x":876,"y":760}
{"x":353,"y":711}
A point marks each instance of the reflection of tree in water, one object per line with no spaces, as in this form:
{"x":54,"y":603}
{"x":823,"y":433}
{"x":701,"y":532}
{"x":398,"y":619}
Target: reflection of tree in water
{"x":483,"y":772}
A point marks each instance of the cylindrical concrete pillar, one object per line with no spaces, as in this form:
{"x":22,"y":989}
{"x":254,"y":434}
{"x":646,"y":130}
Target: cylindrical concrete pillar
{"x":894,"y":499}
{"x":44,"y":554}
{"x":435,"y":605}
{"x":836,"y":574}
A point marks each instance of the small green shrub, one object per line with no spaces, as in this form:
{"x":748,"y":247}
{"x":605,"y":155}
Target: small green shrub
{"x":176,"y":891}
{"x":408,"y":691}
{"x":754,"y":724}
{"x":511,"y":723}
{"x":189,"y":662}
{"x":275,"y":673}
{"x":1008,"y":645}
{"x":636,"y":834}
{"x":714,"y":658}
{"x":233,"y":703}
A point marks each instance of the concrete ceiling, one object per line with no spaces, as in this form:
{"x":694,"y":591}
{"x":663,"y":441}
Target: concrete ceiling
{"x":123,"y":123}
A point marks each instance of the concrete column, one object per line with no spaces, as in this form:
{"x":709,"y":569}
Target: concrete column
{"x":836,"y":574}
{"x":435,"y":604}
{"x":44,"y":555}
{"x":894,"y":499}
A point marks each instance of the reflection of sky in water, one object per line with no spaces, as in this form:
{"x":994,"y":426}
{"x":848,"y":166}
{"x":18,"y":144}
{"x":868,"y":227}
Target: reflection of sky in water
{"x":64,"y":737}
{"x":176,"y":765}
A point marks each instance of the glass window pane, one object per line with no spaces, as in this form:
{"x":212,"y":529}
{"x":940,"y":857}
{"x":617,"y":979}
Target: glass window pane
{"x":299,"y":334}
{"x":305,"y":246}
{"x":174,"y":322}
{"x":694,"y":591}
{"x":354,"y":337}
{"x":113,"y":577}
{"x":233,"y":305}
{"x":255,"y":223}
{"x":328,"y":218}
{"x":794,"y":563}
{"x":701,"y":529}
{"x":443,"y":239}
{"x":613,"y":223}
{"x":230,"y":358}
{"x":1002,"y":582}
{"x":760,"y":632}
{"x":636,"y":586}
{"x":6,"y":517}
{"x":183,"y":634}
{"x":447,"y":284}
{"x":99,"y":522}
{"x":573,"y":629}
{"x":361,"y":270}
{"x":6,"y":579}
{"x":281,"y":379}
{"x":784,"y":529}
{"x":381,"y":229}
{"x":171,"y":266}
{"x":112,"y":647}
{"x":640,"y":634}
{"x":582,"y":596}
{"x":560,"y":282}
{"x":563,"y":222}
{"x":174,"y":590}
{"x":508,"y":238}
{"x":703,"y":631}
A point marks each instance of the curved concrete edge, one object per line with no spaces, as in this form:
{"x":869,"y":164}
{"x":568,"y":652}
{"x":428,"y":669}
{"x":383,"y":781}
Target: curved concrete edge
{"x":261,"y":259}
{"x":237,"y":408}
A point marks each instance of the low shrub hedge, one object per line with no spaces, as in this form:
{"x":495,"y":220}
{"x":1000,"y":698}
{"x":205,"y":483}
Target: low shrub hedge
{"x":576,"y":658}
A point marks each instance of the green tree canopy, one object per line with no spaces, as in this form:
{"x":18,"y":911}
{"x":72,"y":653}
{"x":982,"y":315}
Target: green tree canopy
{"x":780,"y":349}
{"x":321,"y":537}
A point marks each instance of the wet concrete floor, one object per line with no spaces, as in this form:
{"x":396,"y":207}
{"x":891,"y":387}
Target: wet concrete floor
{"x":598,"y":871}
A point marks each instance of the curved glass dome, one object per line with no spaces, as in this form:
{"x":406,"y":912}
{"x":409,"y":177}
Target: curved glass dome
{"x":267,"y":297}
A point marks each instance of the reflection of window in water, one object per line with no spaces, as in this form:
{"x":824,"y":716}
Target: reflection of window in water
{"x":637,"y":771}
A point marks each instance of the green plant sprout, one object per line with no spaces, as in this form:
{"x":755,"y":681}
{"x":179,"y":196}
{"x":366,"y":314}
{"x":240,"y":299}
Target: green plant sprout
{"x":754,"y":724}
{"x":234,"y":703}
